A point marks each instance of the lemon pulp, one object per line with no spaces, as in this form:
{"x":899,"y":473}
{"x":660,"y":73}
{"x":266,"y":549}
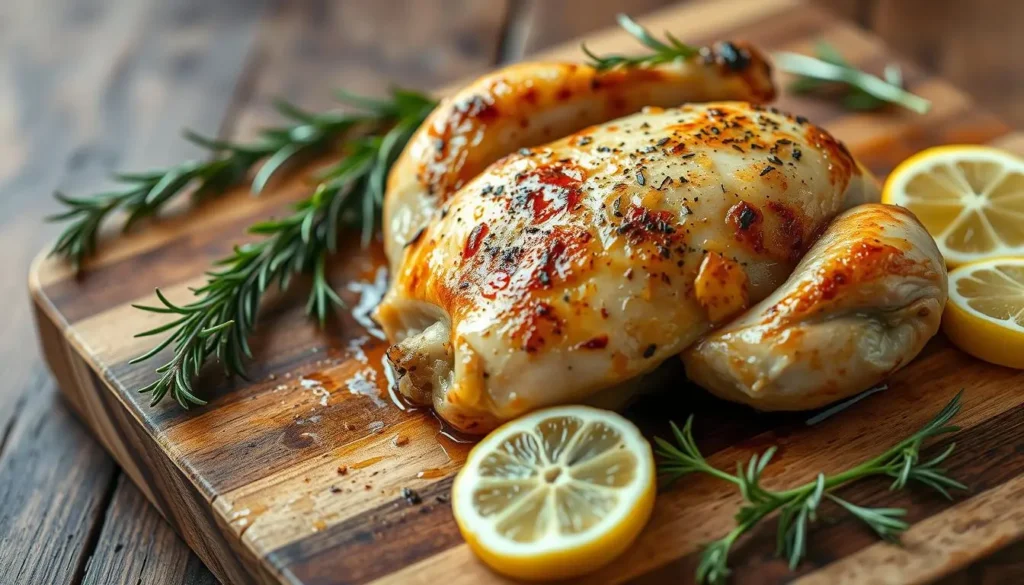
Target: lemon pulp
{"x":985,"y":312}
{"x":970,"y":198}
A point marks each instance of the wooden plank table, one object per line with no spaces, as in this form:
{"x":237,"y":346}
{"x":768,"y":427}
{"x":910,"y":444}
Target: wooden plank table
{"x":90,"y":86}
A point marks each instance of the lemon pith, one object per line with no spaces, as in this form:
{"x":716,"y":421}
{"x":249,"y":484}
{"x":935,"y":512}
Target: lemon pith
{"x":970,"y":198}
{"x":985,"y":312}
{"x":555,"y":494}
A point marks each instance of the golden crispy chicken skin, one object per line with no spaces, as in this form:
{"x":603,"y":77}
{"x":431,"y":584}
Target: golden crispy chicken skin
{"x":532,"y":103}
{"x":576,"y":266}
{"x":861,"y":303}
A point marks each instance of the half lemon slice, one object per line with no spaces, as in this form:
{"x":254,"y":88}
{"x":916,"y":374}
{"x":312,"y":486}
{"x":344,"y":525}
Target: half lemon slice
{"x":970,"y":198}
{"x":985,"y":312}
{"x":555,"y":494}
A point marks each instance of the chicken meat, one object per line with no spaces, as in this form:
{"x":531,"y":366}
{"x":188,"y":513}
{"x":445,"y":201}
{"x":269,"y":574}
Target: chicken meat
{"x":527,"y":104}
{"x":741,"y":238}
{"x":568,"y":269}
{"x":862,"y":302}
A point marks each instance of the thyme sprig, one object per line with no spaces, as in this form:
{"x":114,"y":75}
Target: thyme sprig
{"x":663,"y":51}
{"x":218,"y":322}
{"x":144,"y":194}
{"x":798,"y":507}
{"x":861,"y":91}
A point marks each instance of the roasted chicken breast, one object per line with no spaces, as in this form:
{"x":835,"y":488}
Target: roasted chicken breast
{"x":529,"y":104}
{"x":574,"y":267}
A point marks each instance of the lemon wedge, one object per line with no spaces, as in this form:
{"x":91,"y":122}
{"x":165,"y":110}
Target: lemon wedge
{"x":555,"y":494}
{"x":970,"y":198}
{"x":985,"y":312}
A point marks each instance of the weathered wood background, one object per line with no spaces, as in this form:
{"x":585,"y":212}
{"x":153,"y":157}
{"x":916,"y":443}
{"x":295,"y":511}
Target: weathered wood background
{"x":89,"y":86}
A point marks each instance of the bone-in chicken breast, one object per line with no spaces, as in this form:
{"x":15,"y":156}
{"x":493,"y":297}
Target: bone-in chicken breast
{"x":528,"y":104}
{"x":576,"y":266}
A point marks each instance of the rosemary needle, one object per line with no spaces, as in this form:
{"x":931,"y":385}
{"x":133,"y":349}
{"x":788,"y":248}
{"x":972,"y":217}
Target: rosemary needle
{"x":218,"y":322}
{"x":798,"y":507}
{"x":864,"y":91}
{"x":663,"y":51}
{"x":230,"y":163}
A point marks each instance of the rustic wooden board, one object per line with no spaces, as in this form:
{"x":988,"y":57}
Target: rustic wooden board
{"x":252,"y":481}
{"x":86,"y":84}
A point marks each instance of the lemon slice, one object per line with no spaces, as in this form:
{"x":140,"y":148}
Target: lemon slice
{"x":555,"y":494}
{"x":970,"y":198}
{"x":985,"y":312}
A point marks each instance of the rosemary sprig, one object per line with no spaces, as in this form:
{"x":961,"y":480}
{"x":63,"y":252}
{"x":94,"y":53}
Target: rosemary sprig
{"x":862,"y":91}
{"x":218,"y":322}
{"x":798,"y":507}
{"x":663,"y":52}
{"x":230,"y":163}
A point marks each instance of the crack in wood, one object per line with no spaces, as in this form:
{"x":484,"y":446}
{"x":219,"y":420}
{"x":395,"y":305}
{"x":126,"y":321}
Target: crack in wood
{"x":92,"y":540}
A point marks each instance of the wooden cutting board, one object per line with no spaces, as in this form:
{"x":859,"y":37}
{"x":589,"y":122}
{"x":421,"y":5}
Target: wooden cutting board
{"x":296,"y":476}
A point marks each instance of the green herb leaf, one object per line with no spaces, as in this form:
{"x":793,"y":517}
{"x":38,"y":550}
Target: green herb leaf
{"x":798,"y":507}
{"x":229,"y":164}
{"x":217,"y":323}
{"x":663,"y":52}
{"x":864,"y":91}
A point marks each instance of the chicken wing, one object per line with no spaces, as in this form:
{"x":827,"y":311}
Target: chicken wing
{"x":862,"y":303}
{"x":574,"y":267}
{"x":532,"y":103}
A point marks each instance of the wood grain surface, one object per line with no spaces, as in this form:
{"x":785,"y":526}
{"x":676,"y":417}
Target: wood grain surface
{"x":100,"y":86}
{"x":135,"y":547}
{"x":112,"y":95}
